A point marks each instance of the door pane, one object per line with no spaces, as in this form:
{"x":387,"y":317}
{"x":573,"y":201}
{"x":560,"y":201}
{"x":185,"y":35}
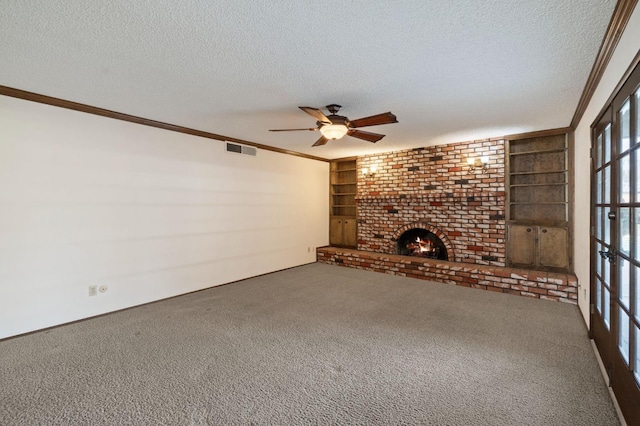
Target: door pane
{"x":625,"y":281}
{"x":623,"y":335}
{"x":605,"y":307}
{"x":599,"y":233}
{"x":599,"y":259}
{"x":625,"y":179}
{"x":625,"y":231}
{"x":625,"y":126}
{"x":636,"y":282}
{"x":636,"y":168}
{"x":599,"y":295}
{"x":636,"y":368}
{"x":599,"y":151}
{"x":606,"y":274}
{"x":606,"y":182}
{"x":606,"y":225}
{"x":638,"y":116}
{"x":606,"y":143}
{"x":599,"y":187}
{"x":636,"y":234}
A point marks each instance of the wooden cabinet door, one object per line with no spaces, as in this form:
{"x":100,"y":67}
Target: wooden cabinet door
{"x":342,"y":231}
{"x":335,"y":231}
{"x":349,"y":232}
{"x":522,"y":245}
{"x":553,"y":247}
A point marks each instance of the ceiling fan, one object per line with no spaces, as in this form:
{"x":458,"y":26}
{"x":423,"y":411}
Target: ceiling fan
{"x":335,"y":126}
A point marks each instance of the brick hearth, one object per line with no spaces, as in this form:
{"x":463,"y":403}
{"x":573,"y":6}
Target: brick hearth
{"x":522,"y":282}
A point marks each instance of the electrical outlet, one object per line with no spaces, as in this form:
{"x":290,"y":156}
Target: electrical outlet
{"x":103,"y":288}
{"x":93,"y":290}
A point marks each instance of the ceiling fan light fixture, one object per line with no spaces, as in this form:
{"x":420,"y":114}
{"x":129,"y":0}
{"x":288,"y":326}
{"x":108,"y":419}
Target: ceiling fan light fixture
{"x":336,"y":126}
{"x":334,"y":131}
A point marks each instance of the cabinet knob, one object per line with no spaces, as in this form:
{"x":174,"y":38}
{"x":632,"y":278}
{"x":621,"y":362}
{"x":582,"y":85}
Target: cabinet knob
{"x":544,"y":230}
{"x":528,"y":229}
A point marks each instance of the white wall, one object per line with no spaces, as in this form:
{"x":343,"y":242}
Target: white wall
{"x":625,"y":52}
{"x":151,"y":213}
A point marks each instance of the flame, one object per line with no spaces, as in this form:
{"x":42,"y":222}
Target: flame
{"x":424,"y":245}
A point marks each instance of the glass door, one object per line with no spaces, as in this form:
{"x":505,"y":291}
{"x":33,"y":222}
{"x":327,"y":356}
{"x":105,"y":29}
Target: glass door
{"x":615,"y":319}
{"x":602,"y":247}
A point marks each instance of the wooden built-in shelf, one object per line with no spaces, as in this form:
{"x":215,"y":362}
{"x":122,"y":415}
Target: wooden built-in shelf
{"x":538,"y":209}
{"x":536,"y":202}
{"x":343,"y":211}
{"x":524,"y":185}
{"x":542,"y":151}
{"x":537,"y":172}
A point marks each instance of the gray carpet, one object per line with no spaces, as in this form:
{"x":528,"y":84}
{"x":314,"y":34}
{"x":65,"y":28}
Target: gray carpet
{"x":317,"y":344}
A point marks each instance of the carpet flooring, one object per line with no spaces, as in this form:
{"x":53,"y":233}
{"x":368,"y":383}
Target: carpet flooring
{"x":312,"y":345}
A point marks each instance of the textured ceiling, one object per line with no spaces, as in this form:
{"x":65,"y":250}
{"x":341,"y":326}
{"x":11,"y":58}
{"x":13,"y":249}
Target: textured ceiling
{"x":450,"y":70}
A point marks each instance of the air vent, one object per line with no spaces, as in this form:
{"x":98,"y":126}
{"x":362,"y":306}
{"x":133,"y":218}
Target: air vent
{"x":231,"y":147}
{"x":249,"y":150}
{"x":241,"y":149}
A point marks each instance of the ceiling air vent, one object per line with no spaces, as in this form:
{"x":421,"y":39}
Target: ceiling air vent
{"x":241,"y":149}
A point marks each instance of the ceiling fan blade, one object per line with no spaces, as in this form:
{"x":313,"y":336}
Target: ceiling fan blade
{"x":374,"y":120}
{"x":367,"y":136}
{"x":321,"y":141}
{"x":292,"y":130}
{"x":316,"y":113}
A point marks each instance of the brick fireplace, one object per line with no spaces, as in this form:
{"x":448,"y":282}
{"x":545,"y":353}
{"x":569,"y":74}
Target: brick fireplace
{"x":433,"y":189}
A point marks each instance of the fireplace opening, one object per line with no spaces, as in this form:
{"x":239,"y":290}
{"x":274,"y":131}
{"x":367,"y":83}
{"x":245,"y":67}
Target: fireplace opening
{"x":421,"y":243}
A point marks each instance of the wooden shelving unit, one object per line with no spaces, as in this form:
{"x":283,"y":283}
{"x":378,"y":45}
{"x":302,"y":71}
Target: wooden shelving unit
{"x":538,"y":202}
{"x":343,"y":214}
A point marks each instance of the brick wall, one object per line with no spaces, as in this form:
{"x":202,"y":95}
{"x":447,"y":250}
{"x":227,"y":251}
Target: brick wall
{"x":432,"y":188}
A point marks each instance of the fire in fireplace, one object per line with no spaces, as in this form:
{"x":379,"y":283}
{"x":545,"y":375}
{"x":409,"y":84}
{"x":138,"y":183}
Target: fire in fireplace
{"x":421,"y":243}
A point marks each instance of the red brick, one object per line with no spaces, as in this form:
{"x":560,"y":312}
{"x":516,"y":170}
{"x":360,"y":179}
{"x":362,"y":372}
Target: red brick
{"x":556,"y":278}
{"x":527,"y":294}
{"x":539,"y":276}
{"x":548,"y":286}
{"x":538,"y":290}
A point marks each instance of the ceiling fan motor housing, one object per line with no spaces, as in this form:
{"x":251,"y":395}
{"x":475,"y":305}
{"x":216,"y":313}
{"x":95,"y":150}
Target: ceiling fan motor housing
{"x":335,"y":119}
{"x":333,"y":108}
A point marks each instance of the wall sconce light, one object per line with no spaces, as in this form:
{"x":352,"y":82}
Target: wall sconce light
{"x":370,"y":171}
{"x":480,"y":164}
